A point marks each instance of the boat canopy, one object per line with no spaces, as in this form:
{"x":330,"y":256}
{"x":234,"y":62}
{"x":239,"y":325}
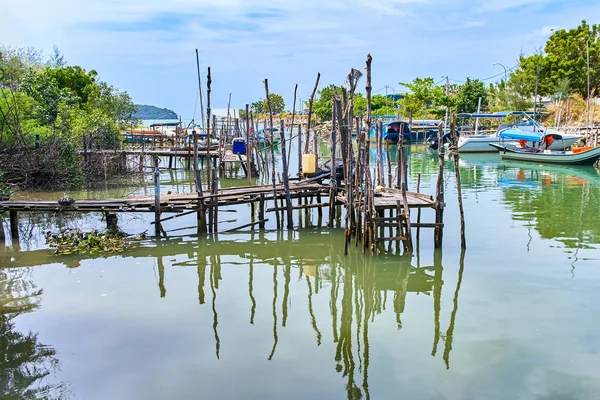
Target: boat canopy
{"x":499,"y":114}
{"x":519,"y":134}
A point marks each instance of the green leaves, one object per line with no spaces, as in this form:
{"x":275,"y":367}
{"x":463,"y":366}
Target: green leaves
{"x":73,"y":241}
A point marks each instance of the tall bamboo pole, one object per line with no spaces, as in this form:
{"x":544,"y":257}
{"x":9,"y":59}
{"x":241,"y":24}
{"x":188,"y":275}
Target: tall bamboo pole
{"x":310,"y":105}
{"x":272,"y":156}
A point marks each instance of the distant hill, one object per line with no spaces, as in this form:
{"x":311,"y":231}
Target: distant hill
{"x":152,"y":112}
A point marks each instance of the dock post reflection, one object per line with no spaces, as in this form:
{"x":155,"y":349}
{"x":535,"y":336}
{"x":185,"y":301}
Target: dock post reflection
{"x":161,"y":276}
{"x":214,"y":284}
{"x":437,"y":298}
{"x":201,"y":277}
{"x":275,"y":337}
{"x":450,"y":331}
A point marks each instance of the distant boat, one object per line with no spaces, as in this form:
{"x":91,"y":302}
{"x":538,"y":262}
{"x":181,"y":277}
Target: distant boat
{"x":269,"y":135}
{"x":539,"y":151}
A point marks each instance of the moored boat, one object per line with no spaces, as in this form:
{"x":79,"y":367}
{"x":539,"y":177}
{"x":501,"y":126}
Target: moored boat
{"x":479,"y":141}
{"x":535,"y":148}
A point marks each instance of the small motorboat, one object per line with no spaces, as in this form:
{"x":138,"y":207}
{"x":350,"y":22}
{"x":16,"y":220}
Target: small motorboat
{"x":536,"y":148}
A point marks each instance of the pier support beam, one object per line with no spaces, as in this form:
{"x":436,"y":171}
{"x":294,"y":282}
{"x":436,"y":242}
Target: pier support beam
{"x":14,"y":224}
{"x":112,"y":221}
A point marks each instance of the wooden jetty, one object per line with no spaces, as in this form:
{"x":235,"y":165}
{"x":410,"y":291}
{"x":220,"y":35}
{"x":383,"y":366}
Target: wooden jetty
{"x":377,"y":205}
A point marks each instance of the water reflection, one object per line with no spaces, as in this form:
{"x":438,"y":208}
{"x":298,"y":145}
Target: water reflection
{"x":25,"y":364}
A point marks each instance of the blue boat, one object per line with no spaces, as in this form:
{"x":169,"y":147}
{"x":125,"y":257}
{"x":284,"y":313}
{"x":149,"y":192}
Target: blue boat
{"x":391,"y":132}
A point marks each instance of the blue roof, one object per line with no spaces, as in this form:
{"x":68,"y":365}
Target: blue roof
{"x":518,"y":134}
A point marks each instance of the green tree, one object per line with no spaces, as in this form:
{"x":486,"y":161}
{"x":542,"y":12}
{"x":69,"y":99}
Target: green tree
{"x":424,"y":94}
{"x":277,"y":103}
{"x":257,"y":107}
{"x":467,"y":98}
{"x":323,"y":103}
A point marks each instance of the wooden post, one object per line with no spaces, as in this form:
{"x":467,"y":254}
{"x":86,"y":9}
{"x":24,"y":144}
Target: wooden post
{"x":300,"y":151}
{"x":289,"y":154}
{"x":286,"y":178}
{"x":455,"y":156}
{"x":208,"y":136}
{"x":156,"y":197}
{"x":14,"y":224}
{"x":272,"y":156}
{"x":332,"y":178}
{"x":389,"y":163}
{"x":310,"y":106}
{"x":248,"y":152}
{"x":439,"y":193}
{"x":261,"y":211}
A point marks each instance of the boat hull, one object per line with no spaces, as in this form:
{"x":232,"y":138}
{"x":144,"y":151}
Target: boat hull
{"x":476,"y":144}
{"x":588,"y":157}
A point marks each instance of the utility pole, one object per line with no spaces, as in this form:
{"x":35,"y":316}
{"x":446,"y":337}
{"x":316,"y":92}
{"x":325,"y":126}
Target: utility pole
{"x":200,"y":89}
{"x":447,"y":90}
{"x":505,"y":82}
{"x":537,"y":73}
{"x":587,"y":46}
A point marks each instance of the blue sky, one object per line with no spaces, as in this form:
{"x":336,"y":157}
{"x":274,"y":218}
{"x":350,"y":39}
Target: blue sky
{"x":146,"y":47}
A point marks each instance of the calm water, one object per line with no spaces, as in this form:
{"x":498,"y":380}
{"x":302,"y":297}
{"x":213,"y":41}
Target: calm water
{"x":287,"y":315}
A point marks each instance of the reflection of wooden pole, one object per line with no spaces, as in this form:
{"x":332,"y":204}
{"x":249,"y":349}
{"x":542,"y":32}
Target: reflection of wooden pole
{"x":437,"y":298}
{"x":275,"y":337}
{"x":250,"y":290}
{"x":214,"y":284}
{"x":450,"y":331}
{"x":161,"y":277}
{"x":333,"y":175}
{"x":286,"y":293}
{"x":201,"y":278}
{"x":311,"y":312}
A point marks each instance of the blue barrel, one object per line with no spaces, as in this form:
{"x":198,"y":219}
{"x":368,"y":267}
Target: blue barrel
{"x":239,"y":146}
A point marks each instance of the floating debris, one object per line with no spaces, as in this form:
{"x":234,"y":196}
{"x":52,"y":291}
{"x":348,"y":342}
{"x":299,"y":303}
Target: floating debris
{"x":70,"y":241}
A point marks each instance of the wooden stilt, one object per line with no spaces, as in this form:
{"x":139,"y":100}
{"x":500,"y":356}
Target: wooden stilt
{"x":261,"y":211}
{"x":14,"y":224}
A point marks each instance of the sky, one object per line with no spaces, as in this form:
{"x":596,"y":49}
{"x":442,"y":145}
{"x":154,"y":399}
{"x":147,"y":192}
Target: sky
{"x":147,"y":47}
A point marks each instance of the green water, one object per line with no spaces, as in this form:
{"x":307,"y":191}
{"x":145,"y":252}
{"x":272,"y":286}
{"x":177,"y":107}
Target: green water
{"x":286,"y":315}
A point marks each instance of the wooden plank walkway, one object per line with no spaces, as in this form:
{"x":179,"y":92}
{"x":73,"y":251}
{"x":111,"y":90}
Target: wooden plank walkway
{"x":389,"y":198}
{"x":168,"y":202}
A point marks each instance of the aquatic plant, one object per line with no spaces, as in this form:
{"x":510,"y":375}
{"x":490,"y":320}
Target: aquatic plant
{"x":70,"y":241}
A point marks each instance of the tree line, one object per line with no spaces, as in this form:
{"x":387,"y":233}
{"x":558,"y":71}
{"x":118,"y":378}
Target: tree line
{"x":47,"y":107}
{"x":560,"y":69}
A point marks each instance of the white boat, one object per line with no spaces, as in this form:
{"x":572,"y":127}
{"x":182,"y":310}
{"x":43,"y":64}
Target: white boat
{"x":539,"y":150}
{"x":480,"y":141}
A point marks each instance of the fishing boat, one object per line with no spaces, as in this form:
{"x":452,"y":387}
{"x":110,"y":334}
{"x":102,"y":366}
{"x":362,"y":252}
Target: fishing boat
{"x":391,"y":132}
{"x":537,"y":148}
{"x":202,"y":140}
{"x":479,"y":140}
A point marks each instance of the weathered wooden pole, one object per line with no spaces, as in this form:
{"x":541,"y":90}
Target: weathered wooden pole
{"x":207,"y":131}
{"x":332,"y":179}
{"x":157,"y":225}
{"x":286,"y":178}
{"x":368,"y":89}
{"x":272,"y":156}
{"x":248,"y":147}
{"x":405,"y":206}
{"x":455,"y":156}
{"x":439,"y":193}
{"x":310,"y":106}
{"x":300,"y":151}
{"x":289,"y":154}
